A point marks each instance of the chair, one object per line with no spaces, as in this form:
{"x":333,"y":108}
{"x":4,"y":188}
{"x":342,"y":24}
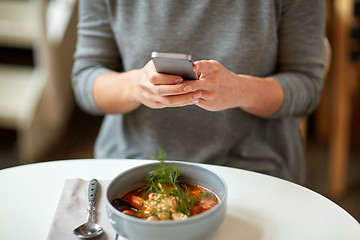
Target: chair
{"x":344,"y":87}
{"x":37,"y":101}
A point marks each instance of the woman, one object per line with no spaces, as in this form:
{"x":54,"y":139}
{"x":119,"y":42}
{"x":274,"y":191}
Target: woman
{"x":259,"y":65}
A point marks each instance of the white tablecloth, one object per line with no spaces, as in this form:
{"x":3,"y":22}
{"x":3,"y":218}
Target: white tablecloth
{"x":259,"y":206}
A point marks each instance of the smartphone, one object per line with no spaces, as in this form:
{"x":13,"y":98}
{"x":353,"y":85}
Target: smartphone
{"x":175,"y":64}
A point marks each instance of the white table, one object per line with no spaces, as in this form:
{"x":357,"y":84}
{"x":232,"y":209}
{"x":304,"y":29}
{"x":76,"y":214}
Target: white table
{"x":259,"y":206}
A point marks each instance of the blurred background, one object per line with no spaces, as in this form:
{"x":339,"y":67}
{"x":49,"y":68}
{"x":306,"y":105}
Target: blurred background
{"x":39,"y":120}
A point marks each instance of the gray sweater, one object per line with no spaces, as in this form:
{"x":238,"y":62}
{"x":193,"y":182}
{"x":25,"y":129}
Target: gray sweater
{"x":281,"y":39}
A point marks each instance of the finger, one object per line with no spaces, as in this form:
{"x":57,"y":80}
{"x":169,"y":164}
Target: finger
{"x":178,"y":89}
{"x":204,"y":67}
{"x":180,"y":100}
{"x":205,"y":95}
{"x":160,"y":78}
{"x":183,"y":104}
{"x":165,"y":79}
{"x":197,"y":68}
{"x":204,"y":105}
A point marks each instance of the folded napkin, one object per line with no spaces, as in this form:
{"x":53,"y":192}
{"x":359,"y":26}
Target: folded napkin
{"x":71,"y":211}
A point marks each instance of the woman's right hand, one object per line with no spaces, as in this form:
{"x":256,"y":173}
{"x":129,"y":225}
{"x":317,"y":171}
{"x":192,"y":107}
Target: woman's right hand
{"x":158,"y":90}
{"x":123,"y":92}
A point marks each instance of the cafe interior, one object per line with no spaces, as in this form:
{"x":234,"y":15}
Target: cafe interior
{"x":40,"y":121}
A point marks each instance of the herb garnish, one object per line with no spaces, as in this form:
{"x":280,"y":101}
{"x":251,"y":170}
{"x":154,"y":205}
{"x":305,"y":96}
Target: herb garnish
{"x":164,"y":179}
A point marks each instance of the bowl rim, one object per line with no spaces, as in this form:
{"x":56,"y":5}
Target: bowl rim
{"x":188,"y":220}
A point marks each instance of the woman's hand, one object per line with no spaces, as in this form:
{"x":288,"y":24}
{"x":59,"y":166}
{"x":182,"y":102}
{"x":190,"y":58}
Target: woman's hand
{"x":157,"y":90}
{"x":218,"y":89}
{"x":123,"y":92}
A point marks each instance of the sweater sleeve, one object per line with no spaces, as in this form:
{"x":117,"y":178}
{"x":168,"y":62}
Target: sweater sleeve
{"x":300,"y":57}
{"x":96,"y":52}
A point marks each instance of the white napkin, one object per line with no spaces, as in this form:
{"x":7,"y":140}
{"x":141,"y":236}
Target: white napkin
{"x":71,"y":211}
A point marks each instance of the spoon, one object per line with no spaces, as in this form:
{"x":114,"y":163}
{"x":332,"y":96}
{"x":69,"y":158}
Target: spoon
{"x":90,"y":229}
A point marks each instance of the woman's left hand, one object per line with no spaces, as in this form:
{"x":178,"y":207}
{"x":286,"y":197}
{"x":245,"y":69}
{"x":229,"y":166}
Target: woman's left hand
{"x":217,"y":87}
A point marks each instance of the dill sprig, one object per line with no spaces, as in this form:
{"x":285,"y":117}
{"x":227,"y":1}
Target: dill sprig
{"x":165,"y":179}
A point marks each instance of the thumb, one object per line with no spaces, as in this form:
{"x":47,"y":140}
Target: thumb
{"x":197,"y":68}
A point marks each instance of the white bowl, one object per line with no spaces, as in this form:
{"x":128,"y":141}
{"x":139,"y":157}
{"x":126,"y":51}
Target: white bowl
{"x":201,"y":226}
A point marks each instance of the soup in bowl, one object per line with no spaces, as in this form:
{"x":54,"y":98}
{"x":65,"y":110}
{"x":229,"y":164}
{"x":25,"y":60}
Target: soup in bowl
{"x":188,"y":203}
